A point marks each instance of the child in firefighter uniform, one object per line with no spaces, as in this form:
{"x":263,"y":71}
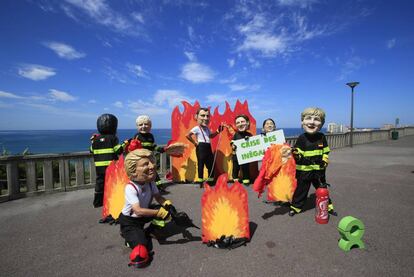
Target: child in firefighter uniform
{"x":202,"y":144}
{"x":242,"y":124}
{"x":105,"y":148}
{"x":140,"y":167}
{"x":311,"y":152}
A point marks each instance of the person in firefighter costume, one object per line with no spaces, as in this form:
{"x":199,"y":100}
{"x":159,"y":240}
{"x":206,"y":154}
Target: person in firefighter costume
{"x":311,"y":152}
{"x":203,"y":135}
{"x":140,"y":166}
{"x":105,"y":148}
{"x":144,"y":125}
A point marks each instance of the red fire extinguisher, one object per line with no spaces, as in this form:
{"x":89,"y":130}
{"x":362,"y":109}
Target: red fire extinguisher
{"x":321,"y":207}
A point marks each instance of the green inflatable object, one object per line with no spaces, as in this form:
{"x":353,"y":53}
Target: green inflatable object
{"x":351,"y":230}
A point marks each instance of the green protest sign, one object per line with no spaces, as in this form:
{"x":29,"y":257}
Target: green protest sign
{"x":253,"y":148}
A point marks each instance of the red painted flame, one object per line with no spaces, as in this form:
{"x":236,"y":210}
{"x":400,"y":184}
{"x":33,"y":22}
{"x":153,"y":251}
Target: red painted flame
{"x":279,"y":177}
{"x":185,"y":167}
{"x":115,"y":181}
{"x":224,"y":211}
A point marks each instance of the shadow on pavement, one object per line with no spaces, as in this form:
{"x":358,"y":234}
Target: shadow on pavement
{"x":172,"y":229}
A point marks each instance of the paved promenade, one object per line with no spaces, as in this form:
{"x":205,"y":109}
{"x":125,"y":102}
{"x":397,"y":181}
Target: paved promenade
{"x":58,"y":234}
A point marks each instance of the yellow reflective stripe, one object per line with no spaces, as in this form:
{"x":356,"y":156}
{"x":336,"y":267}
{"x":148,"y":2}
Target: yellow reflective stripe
{"x":308,"y":167}
{"x":147,"y":143}
{"x":297,"y":210}
{"x":102,"y":163}
{"x":117,"y":147}
{"x":312,"y":153}
{"x":326,"y":149}
{"x":158,"y":222}
{"x":103,"y":151}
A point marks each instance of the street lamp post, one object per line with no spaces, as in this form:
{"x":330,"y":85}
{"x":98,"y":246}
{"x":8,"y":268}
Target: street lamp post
{"x":352,"y":85}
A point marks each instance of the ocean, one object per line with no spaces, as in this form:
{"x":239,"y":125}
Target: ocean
{"x":66,"y":141}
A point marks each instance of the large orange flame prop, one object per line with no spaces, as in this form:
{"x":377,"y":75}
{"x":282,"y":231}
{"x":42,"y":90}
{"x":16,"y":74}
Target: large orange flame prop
{"x":278,"y":176}
{"x":115,"y":181}
{"x":224,"y":211}
{"x":185,"y":167}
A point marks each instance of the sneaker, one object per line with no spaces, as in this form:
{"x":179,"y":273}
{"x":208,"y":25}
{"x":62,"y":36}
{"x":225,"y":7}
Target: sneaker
{"x":292,"y":213}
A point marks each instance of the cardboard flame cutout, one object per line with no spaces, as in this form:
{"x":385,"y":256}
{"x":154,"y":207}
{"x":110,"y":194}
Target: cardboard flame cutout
{"x":279,"y":177}
{"x":224,"y":211}
{"x":114,"y":195}
{"x":185,"y":167}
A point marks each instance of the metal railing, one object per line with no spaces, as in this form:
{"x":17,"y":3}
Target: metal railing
{"x":29,"y":175}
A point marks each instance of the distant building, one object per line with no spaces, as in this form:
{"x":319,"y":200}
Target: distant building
{"x":387,"y":126}
{"x":336,"y":128}
{"x":331,"y":128}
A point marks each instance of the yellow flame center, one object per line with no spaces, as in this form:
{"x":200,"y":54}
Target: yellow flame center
{"x":224,"y":219}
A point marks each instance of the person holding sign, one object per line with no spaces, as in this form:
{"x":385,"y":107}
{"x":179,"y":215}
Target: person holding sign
{"x":268,"y":126}
{"x":311,"y":152}
{"x":202,"y":143}
{"x":242,"y":124}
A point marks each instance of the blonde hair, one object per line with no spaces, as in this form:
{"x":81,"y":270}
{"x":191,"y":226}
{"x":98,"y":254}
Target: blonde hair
{"x":130,"y":163}
{"x":313,"y":111}
{"x":143,"y":118}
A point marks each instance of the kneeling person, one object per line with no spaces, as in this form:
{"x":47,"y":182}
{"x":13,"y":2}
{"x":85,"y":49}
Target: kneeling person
{"x":140,"y":167}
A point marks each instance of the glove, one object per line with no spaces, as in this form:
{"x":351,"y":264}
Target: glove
{"x":296,"y":153}
{"x":169,"y":207}
{"x":163,"y":214}
{"x":325,"y":161}
{"x":94,"y":136}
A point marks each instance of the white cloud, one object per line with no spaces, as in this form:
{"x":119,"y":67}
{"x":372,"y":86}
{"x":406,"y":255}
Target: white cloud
{"x":62,"y":96}
{"x":268,"y":44}
{"x":270,"y":35}
{"x":100,"y":12}
{"x":64,"y":51}
{"x":391,"y":43}
{"x":231,"y":62}
{"x":172,"y":97}
{"x":36,"y":72}
{"x":142,"y":107}
{"x":197,"y":73}
{"x":92,"y":101}
{"x":190,"y":32}
{"x":114,"y":74}
{"x":259,"y":36}
{"x":221,"y":99}
{"x":241,"y":87}
{"x":138,"y":17}
{"x":137,"y":70}
{"x":190,"y":56}
{"x":118,"y":104}
{"x":297,"y":3}
{"x":4,"y":94}
{"x":352,"y":64}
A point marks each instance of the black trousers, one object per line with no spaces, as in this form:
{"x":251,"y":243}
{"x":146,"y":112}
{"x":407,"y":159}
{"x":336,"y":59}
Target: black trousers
{"x":204,"y":158}
{"x":132,"y":230}
{"x":245,"y":168}
{"x":304,"y":180}
{"x":99,"y":190}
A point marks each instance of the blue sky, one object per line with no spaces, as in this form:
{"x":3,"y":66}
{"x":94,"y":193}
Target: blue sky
{"x":63,"y":63}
